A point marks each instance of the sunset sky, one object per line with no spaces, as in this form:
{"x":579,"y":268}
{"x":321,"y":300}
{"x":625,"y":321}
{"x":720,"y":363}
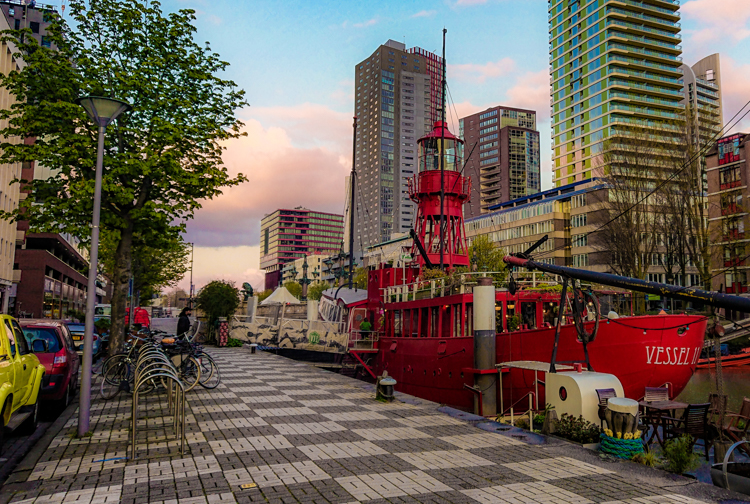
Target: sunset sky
{"x":295,"y":60}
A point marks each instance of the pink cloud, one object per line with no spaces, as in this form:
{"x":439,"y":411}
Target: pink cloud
{"x":237,"y":264}
{"x":531,"y":91}
{"x":480,"y":73}
{"x":717,"y":20}
{"x":735,"y":90}
{"x":292,"y":156}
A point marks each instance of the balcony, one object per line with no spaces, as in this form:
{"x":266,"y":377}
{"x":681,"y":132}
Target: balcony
{"x":645,"y":52}
{"x":652,"y":31}
{"x":645,"y":17}
{"x":649,"y":7}
{"x":733,"y":235}
{"x":646,"y":75}
{"x":645,"y":63}
{"x":645,"y":40}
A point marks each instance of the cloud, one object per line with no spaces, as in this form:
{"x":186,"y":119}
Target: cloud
{"x":480,"y":73}
{"x":344,"y":92}
{"x":292,"y":156}
{"x":424,"y":13}
{"x":531,"y":91}
{"x":365,"y":24}
{"x":735,"y":90}
{"x":238,"y":264}
{"x":718,"y":20}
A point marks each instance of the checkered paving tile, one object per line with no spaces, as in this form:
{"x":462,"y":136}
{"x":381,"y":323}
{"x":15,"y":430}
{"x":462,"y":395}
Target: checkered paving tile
{"x":296,"y":433}
{"x":556,"y":468}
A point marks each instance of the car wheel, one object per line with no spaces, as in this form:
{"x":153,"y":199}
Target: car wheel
{"x":28,"y":427}
{"x":63,"y":402}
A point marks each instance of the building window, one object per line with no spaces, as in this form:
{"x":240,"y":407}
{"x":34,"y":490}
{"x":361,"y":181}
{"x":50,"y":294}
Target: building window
{"x":580,"y":260}
{"x":34,"y":27}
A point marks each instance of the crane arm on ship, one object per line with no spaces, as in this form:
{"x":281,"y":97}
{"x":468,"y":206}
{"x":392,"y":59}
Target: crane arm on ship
{"x":716,"y":299}
{"x":420,"y":247}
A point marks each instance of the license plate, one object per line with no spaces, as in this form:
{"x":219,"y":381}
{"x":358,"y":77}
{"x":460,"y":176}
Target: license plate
{"x":77,"y":338}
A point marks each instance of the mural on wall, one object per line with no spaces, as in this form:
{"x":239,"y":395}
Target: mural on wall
{"x":295,"y":334}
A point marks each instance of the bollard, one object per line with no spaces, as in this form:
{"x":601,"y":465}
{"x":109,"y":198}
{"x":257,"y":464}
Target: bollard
{"x":253,"y":346}
{"x":484,"y":347}
{"x":222,"y":332}
{"x":384,"y":387}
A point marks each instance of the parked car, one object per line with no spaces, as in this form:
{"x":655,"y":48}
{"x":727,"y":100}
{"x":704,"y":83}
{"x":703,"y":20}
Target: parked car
{"x":77,"y":329}
{"x":60,"y":359}
{"x":21,"y":378}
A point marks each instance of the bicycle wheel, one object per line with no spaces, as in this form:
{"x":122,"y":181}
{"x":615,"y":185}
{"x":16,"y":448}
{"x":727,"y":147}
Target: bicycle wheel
{"x":210,"y":377}
{"x":112,"y":360}
{"x":190,"y":372}
{"x":114,"y":380}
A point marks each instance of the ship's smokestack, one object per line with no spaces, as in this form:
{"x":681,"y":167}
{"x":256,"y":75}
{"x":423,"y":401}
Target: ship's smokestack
{"x":484,"y":348}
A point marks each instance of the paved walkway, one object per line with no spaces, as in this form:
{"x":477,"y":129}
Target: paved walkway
{"x":300,"y":434}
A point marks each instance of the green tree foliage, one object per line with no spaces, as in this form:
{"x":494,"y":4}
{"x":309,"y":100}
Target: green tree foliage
{"x":360,"y":278}
{"x":315,"y":290}
{"x":485,"y":256}
{"x":294,"y":288}
{"x":161,"y":160}
{"x":155,"y":266}
{"x":218,"y":299}
{"x":263,"y":295}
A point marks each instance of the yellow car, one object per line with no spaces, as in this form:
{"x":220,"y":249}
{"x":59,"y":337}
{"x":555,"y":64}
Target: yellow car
{"x":20,"y":378}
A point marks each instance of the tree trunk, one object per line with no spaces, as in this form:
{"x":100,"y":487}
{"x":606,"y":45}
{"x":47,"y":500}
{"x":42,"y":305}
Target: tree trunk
{"x":121,"y":276}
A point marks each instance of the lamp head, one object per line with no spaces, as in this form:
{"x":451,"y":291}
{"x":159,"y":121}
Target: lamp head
{"x":103,"y":110}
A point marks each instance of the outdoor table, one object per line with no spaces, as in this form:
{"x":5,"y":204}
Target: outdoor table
{"x":661,"y":408}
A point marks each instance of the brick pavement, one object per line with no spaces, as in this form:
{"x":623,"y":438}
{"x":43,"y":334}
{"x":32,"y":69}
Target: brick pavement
{"x":301,"y":434}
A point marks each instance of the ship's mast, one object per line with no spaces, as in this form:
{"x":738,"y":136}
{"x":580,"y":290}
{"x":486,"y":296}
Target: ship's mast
{"x":351,"y":205}
{"x":442,"y":164}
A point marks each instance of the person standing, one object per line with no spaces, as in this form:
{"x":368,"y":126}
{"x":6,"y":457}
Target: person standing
{"x":365,"y":327}
{"x":183,"y":323}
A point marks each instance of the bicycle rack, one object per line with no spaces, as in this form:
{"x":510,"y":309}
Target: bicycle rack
{"x":153,"y":363}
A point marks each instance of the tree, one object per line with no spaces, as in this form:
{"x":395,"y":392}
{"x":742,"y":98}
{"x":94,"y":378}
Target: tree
{"x":315,"y":290}
{"x":263,"y":295}
{"x":294,"y":288}
{"x":486,"y":256}
{"x":161,"y":160}
{"x":360,"y":278}
{"x":155,"y":266}
{"x":625,"y":227}
{"x":218,"y":299}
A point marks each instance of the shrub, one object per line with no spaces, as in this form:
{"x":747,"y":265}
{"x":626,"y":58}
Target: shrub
{"x":577,"y":429}
{"x":218,"y":299}
{"x":647,"y":458}
{"x":232,"y":342}
{"x":679,"y":455}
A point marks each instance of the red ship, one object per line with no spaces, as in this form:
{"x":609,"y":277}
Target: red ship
{"x":423,"y":335}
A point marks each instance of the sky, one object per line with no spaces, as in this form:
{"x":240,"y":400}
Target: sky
{"x":296,"y":59}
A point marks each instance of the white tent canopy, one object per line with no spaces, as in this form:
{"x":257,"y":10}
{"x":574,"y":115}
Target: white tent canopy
{"x":280,"y":296}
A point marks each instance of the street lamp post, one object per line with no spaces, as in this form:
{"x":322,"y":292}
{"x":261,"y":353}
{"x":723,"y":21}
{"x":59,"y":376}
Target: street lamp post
{"x":103,"y":111}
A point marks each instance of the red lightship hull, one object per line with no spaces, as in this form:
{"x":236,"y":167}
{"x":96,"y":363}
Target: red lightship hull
{"x":648,"y":351}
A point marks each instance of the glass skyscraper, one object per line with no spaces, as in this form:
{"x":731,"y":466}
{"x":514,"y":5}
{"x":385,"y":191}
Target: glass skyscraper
{"x":614,"y":64}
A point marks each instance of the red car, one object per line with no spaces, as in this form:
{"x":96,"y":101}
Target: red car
{"x":60,"y":361}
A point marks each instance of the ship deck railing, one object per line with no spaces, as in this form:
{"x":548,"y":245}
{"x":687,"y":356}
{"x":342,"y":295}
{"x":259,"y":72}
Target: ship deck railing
{"x":363,"y":340}
{"x":460,"y":284}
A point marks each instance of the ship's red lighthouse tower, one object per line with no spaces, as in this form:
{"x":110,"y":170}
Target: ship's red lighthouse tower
{"x":425,"y":190}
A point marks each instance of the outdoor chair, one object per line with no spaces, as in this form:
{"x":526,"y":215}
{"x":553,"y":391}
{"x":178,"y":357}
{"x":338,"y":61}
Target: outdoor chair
{"x":604,"y":396}
{"x":656,"y":394}
{"x":739,"y":422}
{"x":694,"y":422}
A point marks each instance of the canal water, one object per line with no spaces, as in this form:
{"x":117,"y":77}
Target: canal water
{"x":703,"y":382}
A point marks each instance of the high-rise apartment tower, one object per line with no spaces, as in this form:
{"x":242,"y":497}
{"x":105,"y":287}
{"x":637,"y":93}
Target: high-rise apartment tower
{"x":289,"y":234}
{"x":615,"y":66}
{"x":501,"y":155}
{"x":702,"y":97}
{"x":397,"y":98}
